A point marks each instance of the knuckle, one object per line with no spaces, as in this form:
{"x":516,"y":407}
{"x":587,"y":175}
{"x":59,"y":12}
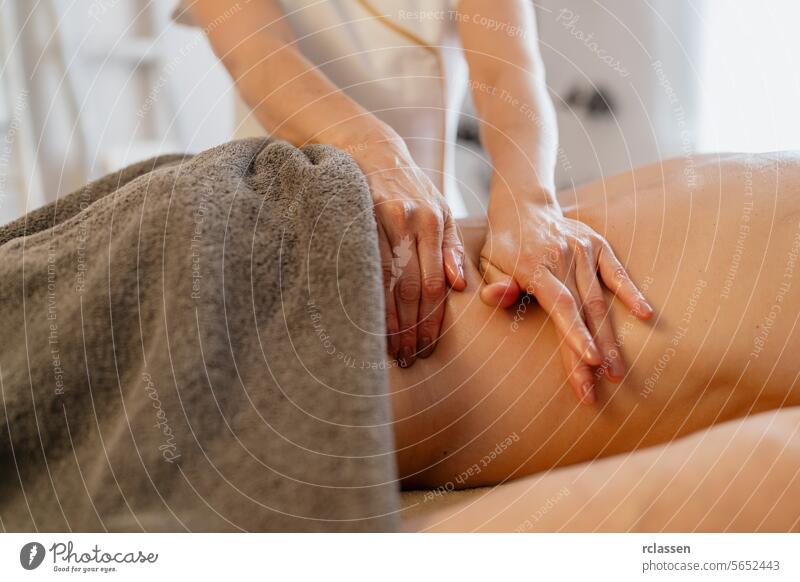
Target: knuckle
{"x":433,"y":286}
{"x":408,"y":289}
{"x":585,"y":249}
{"x":564,"y":301}
{"x":554,"y":254}
{"x":581,"y":369}
{"x":595,"y":307}
{"x":379,"y":196}
{"x":446,"y":213}
{"x":429,"y":217}
{"x":429,"y":225}
{"x":536,"y":277}
{"x":527,"y":263}
{"x":429,"y":328}
{"x":397,"y":211}
{"x":534,"y":265}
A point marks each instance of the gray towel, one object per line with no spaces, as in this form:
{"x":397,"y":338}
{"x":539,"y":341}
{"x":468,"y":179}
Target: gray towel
{"x":196,"y":343}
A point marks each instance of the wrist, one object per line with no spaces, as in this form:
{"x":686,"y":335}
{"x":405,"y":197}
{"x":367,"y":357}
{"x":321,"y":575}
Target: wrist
{"x":373,"y":145}
{"x":524,"y":199}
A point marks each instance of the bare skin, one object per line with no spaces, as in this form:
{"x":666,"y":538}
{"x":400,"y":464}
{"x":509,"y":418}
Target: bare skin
{"x":719,"y":259}
{"x":532,"y":243}
{"x":741,"y":476}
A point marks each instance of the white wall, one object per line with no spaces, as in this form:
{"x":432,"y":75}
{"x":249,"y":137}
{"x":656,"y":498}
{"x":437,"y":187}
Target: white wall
{"x":110,"y":82}
{"x":646,"y":56}
{"x":751,"y":76}
{"x":103,"y":83}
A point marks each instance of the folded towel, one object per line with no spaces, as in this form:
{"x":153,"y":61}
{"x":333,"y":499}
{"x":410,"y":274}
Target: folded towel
{"x":196,"y":343}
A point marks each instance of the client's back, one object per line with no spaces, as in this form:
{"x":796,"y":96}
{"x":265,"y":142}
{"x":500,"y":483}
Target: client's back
{"x":713,"y":241}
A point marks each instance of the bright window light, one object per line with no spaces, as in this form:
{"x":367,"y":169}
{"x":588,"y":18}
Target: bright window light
{"x":751,"y":76}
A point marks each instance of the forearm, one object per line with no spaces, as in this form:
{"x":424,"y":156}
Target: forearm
{"x":519,"y":132}
{"x":290,"y":97}
{"x":296,"y":102}
{"x":507,"y":79}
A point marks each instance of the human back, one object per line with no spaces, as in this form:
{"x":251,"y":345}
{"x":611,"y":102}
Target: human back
{"x":679,"y":227}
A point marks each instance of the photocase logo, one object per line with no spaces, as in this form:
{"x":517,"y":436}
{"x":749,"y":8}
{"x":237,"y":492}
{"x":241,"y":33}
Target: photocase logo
{"x":401,"y":256}
{"x":31,"y":555}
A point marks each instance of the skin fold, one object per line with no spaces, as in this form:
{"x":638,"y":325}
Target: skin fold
{"x":715,"y":243}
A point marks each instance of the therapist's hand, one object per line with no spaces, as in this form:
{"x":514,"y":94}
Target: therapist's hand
{"x":535,"y":249}
{"x":420,"y":246}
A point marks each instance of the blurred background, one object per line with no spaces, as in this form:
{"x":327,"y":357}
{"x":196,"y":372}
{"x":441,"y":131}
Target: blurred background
{"x":89,"y":86}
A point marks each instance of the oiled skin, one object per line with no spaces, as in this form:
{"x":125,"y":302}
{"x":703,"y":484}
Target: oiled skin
{"x":739,"y":476}
{"x":714,"y":243}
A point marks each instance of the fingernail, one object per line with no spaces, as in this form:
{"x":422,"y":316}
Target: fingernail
{"x":406,"y":355}
{"x":458,"y":259}
{"x":644,"y":308}
{"x":425,"y":347}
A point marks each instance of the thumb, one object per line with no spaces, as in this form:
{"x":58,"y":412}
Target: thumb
{"x":500,"y":290}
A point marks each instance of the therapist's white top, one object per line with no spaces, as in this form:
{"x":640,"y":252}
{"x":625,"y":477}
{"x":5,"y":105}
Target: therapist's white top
{"x":401,"y":60}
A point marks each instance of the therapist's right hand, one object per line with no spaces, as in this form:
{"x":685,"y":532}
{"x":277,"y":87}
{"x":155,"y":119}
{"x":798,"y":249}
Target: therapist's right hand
{"x":421,"y":248}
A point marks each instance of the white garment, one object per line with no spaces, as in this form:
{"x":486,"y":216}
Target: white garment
{"x":418,"y":90}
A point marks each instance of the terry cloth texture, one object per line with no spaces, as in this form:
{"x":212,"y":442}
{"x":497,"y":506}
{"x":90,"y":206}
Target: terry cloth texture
{"x":196,"y":343}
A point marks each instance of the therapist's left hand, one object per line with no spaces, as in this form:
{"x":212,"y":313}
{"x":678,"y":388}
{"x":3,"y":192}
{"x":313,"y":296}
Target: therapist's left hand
{"x":420,"y":246}
{"x":534,"y":249}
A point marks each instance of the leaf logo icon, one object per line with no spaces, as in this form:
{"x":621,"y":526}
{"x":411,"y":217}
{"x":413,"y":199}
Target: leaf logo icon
{"x":401,"y":255}
{"x":31,"y":555}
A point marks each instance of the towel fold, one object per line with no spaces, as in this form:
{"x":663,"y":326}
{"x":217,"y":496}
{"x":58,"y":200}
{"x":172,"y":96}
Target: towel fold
{"x":196,"y":343}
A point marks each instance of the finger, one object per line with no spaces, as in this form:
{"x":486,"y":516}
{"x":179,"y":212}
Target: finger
{"x":433,"y":288}
{"x":392,"y":322}
{"x":406,"y":272}
{"x":562,"y":308}
{"x":500,"y":290}
{"x":453,"y":253}
{"x":579,"y":375}
{"x":597,"y":314}
{"x":616,"y":278}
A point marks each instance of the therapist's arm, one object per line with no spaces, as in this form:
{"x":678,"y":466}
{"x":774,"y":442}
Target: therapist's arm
{"x":531,"y":246}
{"x":295,"y":101}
